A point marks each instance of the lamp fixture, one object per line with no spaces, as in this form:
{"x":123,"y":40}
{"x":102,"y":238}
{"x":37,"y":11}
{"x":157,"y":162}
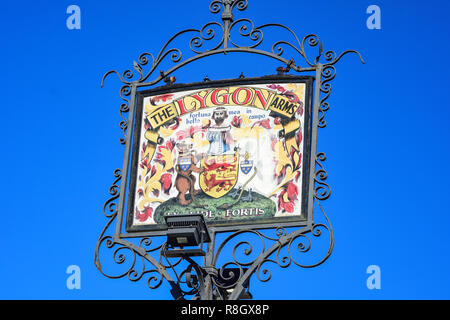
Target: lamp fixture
{"x":186,"y":231}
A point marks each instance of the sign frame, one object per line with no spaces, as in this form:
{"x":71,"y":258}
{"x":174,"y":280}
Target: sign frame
{"x":309,"y":141}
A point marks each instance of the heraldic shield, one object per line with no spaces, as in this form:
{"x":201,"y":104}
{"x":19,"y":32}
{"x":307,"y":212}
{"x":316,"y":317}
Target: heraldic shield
{"x":220,"y":174}
{"x":185,"y":163}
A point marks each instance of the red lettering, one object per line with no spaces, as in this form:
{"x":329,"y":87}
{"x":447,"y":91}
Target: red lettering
{"x":200,"y":99}
{"x":180,"y":103}
{"x":214,"y":97}
{"x":236,"y":95}
{"x":261,"y":98}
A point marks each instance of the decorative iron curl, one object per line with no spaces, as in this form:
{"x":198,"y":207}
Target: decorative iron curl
{"x":247,"y":30}
{"x":231,"y":276}
{"x":136,"y":268}
{"x":328,"y":74}
{"x":322,"y":190}
{"x":205,"y":33}
{"x":110,"y":206}
{"x":154,"y":280}
{"x":315,"y":232}
{"x":227,"y":5}
{"x":117,"y":256}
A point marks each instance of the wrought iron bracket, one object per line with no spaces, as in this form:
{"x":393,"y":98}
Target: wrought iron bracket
{"x":140,"y":255}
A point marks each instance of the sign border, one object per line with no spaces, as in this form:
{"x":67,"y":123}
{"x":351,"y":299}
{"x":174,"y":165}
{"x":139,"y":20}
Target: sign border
{"x":225,"y":226}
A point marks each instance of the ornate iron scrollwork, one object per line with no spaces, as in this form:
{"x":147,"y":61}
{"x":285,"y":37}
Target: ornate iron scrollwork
{"x":144,"y":257}
{"x":226,"y":43}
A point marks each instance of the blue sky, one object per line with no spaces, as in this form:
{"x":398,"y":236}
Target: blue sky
{"x":387,"y":141}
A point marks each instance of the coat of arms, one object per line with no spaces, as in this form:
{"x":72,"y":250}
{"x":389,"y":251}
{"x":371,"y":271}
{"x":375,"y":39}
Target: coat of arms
{"x":220,"y":174}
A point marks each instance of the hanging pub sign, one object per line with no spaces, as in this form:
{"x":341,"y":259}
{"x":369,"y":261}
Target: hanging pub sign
{"x":236,"y":151}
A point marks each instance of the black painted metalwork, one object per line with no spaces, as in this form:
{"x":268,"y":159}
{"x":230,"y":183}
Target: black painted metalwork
{"x":141,"y":255}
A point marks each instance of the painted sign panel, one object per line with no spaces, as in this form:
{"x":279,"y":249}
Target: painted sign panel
{"x":235,"y":151}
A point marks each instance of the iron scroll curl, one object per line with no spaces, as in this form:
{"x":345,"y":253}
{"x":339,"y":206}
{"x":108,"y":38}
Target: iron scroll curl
{"x":142,"y":256}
